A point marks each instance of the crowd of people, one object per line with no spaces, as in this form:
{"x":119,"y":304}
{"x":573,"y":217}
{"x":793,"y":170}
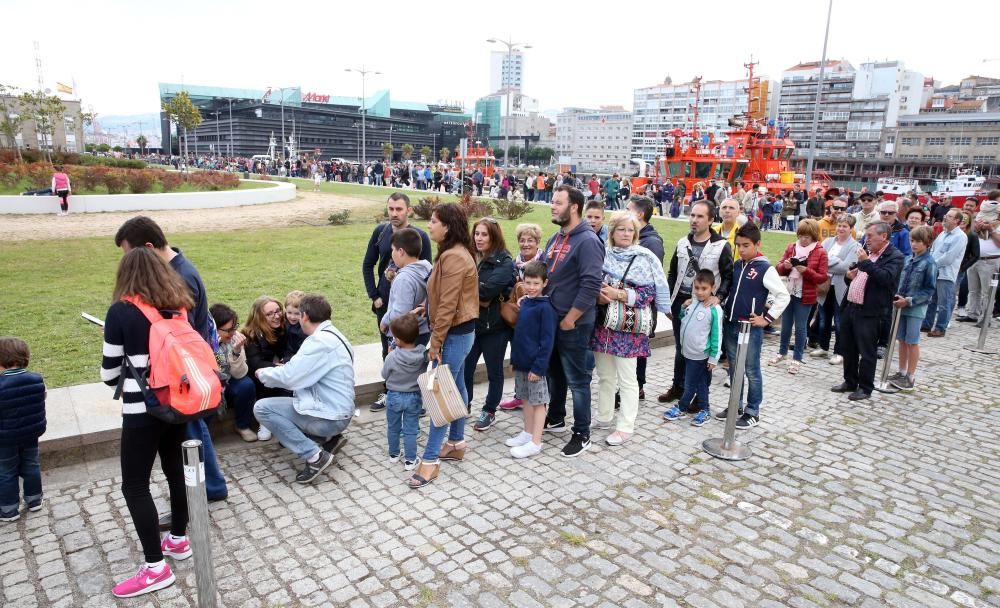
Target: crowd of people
{"x":583,"y":300}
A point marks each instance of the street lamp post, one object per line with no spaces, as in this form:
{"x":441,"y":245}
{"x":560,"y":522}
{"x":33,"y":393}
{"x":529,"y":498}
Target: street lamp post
{"x":511,"y":47}
{"x":218,"y":140}
{"x":230,"y":128}
{"x":363,"y":109}
{"x":810,"y":159}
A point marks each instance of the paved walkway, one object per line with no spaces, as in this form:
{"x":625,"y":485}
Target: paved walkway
{"x":890,"y":503}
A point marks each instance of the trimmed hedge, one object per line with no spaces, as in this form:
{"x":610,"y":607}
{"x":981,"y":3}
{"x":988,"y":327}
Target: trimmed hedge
{"x":9,"y":157}
{"x":114,"y":180}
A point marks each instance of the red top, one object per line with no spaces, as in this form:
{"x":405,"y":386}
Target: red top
{"x":813,"y":273}
{"x":61,"y":181}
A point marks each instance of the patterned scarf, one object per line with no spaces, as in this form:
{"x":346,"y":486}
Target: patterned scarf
{"x":646,"y":270}
{"x":795,"y":276}
{"x":856,"y":293}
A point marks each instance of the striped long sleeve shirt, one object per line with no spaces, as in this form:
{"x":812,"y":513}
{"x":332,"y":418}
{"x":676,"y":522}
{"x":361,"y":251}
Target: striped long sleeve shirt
{"x":126,"y":333}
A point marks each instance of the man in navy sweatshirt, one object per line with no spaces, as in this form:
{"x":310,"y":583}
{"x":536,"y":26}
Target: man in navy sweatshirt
{"x":575,"y":257}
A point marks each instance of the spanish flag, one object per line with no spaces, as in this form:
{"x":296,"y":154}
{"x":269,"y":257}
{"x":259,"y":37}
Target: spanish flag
{"x":64,"y":88}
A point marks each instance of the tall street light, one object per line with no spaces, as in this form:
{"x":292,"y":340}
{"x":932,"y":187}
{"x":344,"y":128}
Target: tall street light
{"x":230,"y":128}
{"x":364,"y":110}
{"x":810,"y":159}
{"x":511,"y":47}
{"x":284,"y":143}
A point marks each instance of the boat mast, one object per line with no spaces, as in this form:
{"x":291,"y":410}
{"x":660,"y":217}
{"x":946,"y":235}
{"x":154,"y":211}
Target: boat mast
{"x":696,"y":89}
{"x":749,"y":66}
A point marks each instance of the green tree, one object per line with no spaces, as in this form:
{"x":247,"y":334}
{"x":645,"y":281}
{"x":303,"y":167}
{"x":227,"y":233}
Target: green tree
{"x":182,"y":112}
{"x":426,"y":152}
{"x":117,"y":148}
{"x":387,"y":150}
{"x":407,"y":151}
{"x":105,"y":148}
{"x":91,"y":148}
{"x":47,"y":110}
{"x":445,"y":154}
{"x":12,"y":117}
{"x":141,"y":141}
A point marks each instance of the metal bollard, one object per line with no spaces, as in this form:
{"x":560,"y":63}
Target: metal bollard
{"x":728,"y":448}
{"x":198,"y":535}
{"x":883,"y":385}
{"x":987,"y":316}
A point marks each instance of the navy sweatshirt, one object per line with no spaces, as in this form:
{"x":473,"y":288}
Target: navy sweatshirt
{"x":197,"y":316}
{"x":534,"y":335}
{"x":378,"y":256}
{"x":22,"y":408}
{"x":575,"y":261}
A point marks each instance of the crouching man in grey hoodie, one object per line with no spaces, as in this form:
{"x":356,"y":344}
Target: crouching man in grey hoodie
{"x":321,"y":378}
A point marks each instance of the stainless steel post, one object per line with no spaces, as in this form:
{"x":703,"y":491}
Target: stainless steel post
{"x":987,"y":315}
{"x":883,"y":385}
{"x":198,"y":534}
{"x":728,"y":448}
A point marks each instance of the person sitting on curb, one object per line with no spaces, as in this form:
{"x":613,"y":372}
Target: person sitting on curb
{"x":321,"y":378}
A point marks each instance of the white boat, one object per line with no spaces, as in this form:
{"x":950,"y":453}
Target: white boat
{"x":895,"y":187}
{"x":963,"y":184}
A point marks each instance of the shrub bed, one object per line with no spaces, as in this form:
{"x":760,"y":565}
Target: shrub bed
{"x":115,"y":180}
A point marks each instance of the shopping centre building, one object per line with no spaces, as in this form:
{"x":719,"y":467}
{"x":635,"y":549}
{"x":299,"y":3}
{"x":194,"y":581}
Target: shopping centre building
{"x":242,"y":122}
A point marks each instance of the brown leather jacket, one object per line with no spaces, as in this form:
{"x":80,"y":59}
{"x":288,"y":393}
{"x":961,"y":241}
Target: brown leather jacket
{"x":452,"y":293}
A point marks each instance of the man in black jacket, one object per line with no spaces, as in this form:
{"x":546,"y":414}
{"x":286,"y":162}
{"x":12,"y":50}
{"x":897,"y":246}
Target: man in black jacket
{"x":641,"y":207}
{"x":378,"y":257}
{"x":871,"y":286}
{"x":815,"y":205}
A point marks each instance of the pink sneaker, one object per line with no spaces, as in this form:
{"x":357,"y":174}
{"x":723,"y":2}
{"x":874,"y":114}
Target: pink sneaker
{"x":513,"y":404}
{"x":145,"y":581}
{"x":180,"y":549}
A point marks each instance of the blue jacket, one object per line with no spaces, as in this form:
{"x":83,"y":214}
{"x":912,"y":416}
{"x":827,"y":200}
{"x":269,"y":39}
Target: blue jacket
{"x":575,"y":261}
{"x":754,"y":284}
{"x":918,"y":284}
{"x":22,"y":408}
{"x":320,"y":375}
{"x":534,"y":335}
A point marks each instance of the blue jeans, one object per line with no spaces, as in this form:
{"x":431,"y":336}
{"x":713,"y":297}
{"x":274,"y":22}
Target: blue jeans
{"x":240,"y":395}
{"x":696,"y":380}
{"x":19,"y":462}
{"x":754,"y":380}
{"x":290,"y":427}
{"x":796,"y":314}
{"x":492,"y":347}
{"x":215,"y":483}
{"x":571,"y":367}
{"x":455,"y":349}
{"x":942,"y":303}
{"x":402,"y":417}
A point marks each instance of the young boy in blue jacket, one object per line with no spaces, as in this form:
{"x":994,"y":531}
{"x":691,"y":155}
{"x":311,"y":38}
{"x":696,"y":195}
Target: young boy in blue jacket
{"x":530,"y":351}
{"x":755,"y":283}
{"x":22,"y":422}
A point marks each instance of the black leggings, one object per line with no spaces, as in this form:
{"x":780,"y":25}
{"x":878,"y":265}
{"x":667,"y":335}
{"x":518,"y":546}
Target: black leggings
{"x":138,"y":451}
{"x":63,"y":199}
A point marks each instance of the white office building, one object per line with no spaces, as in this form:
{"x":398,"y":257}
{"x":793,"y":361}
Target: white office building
{"x":506,"y":71}
{"x":596,"y":141}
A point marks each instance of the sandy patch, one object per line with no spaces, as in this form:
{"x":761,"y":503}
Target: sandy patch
{"x":306,"y":208}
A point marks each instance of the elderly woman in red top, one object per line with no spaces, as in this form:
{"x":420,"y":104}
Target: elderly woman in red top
{"x":805,"y":264}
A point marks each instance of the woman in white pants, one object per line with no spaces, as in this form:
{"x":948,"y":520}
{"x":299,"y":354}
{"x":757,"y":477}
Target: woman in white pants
{"x":634,"y":282}
{"x":987,"y":228}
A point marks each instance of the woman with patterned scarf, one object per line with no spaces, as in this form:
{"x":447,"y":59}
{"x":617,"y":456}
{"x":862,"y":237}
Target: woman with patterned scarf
{"x":634,"y":282}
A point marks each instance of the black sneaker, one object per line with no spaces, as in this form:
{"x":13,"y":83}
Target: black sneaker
{"x":554,"y":427}
{"x":379,"y":404}
{"x":577,"y":445}
{"x":312,"y":470}
{"x":721,"y":414}
{"x":486,"y":420}
{"x":642,"y":394}
{"x":334,"y":444}
{"x":747,"y":421}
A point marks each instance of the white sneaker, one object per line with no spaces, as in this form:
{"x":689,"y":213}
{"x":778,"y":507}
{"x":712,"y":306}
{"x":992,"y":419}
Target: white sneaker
{"x":517,"y":440}
{"x":526,"y":450}
{"x":960,"y":312}
{"x":409,"y":465}
{"x":263,"y":434}
{"x":836,"y":360}
{"x":818,"y":352}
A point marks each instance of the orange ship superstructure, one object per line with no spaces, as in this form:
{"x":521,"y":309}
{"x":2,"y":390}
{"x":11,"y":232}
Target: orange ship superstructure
{"x":754,"y":151}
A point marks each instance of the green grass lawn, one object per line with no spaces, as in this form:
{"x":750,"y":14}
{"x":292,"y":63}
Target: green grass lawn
{"x":46,"y":284}
{"x":24,"y":186}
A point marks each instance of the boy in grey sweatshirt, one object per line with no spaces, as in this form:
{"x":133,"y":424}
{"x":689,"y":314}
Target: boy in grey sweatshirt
{"x":403,"y":403}
{"x":409,"y":286}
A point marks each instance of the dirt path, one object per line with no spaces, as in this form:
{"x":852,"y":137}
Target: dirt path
{"x":307,"y":207}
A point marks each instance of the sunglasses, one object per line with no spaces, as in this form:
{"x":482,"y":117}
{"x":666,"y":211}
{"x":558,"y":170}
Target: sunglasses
{"x":887,"y":213}
{"x":488,"y":220}
{"x":840,"y":208}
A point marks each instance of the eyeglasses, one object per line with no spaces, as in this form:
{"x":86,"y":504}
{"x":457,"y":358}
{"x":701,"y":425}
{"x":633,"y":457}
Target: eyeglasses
{"x":272,"y":314}
{"x":229,"y":330}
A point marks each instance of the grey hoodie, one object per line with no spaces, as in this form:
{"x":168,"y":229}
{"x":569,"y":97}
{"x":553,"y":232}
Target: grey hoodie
{"x":402,"y":366}
{"x":409,"y":290}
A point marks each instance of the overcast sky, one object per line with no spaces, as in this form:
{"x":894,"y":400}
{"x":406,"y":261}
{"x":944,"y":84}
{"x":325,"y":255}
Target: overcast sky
{"x":585,"y":54}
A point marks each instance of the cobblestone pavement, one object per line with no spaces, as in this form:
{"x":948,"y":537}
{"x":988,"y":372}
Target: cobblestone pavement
{"x":890,"y":503}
